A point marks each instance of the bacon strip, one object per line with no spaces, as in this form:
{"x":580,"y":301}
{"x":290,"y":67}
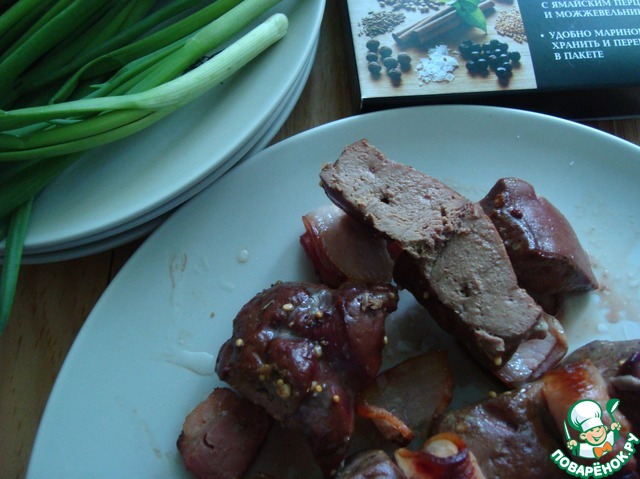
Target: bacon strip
{"x":343,"y":250}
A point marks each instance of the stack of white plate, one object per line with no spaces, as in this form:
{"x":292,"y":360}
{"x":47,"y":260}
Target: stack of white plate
{"x":122,"y":191}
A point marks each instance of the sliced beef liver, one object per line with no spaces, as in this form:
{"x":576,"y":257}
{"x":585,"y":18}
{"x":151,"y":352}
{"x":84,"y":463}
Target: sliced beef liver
{"x":544,"y":249}
{"x":452,"y":259}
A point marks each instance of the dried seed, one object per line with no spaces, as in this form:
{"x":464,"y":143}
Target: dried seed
{"x":379,"y":23}
{"x":284,"y":390}
{"x":510,"y":24}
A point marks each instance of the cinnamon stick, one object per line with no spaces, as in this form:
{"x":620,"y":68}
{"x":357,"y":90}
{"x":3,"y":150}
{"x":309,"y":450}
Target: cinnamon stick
{"x":405,"y":32}
{"x":435,"y":25}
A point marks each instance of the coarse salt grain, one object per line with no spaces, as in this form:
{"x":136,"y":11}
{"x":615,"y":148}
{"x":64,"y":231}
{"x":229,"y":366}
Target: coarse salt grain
{"x":437,"y":66}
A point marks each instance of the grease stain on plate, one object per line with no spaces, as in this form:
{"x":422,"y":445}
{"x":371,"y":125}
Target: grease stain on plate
{"x":199,"y":362}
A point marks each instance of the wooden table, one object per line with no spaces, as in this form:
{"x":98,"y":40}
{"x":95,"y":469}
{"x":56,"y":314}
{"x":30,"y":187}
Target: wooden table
{"x":53,"y":300}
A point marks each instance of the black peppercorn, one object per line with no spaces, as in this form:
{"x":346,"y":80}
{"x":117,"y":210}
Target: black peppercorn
{"x":482,"y":65}
{"x":375,"y":68}
{"x":493,"y":54}
{"x":395,"y":74}
{"x":514,"y":56}
{"x":385,"y":51}
{"x":390,"y":62}
{"x":404,"y":60}
{"x":373,"y":45}
{"x":502,"y":72}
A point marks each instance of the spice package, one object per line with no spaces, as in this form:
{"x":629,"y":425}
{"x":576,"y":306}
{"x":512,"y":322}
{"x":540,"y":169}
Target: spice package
{"x":578,"y":59}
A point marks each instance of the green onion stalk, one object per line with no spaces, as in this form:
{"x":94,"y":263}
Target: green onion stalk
{"x":147,"y":65}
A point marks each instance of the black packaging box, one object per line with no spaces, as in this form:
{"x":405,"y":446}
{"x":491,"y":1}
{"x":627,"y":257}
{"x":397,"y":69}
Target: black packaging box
{"x":577,"y":59}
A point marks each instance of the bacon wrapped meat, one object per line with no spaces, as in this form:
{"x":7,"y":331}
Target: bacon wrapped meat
{"x":303,"y":350}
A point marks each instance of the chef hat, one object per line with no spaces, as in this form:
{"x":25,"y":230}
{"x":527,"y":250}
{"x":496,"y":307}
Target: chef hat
{"x":585,"y":415}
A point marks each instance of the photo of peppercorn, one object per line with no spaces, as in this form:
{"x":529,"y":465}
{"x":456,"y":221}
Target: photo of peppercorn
{"x":492,"y":56}
{"x":381,"y":58}
{"x":418,"y":48}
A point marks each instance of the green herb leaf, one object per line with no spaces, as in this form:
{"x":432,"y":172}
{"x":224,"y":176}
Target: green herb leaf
{"x":16,"y":232}
{"x":470,"y":13}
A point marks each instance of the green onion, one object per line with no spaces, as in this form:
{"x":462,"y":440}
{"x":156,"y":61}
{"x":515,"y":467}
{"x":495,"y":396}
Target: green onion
{"x":35,"y":79}
{"x":29,"y":23}
{"x":107,"y":25}
{"x":71,"y":131}
{"x":184,"y":88}
{"x":16,"y":232}
{"x":147,"y":80}
{"x":106,"y":134}
{"x":18,"y":18}
{"x":30,"y":180}
{"x":167,"y":96}
{"x":189,"y":50}
{"x":43,"y":39}
{"x":122,"y":56}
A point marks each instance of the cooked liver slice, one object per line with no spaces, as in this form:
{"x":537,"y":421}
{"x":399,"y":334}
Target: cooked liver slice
{"x":453,"y":259}
{"x":544,"y":249}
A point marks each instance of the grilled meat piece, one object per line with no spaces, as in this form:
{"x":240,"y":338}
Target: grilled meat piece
{"x":510,"y":435}
{"x":371,"y":464}
{"x":303,"y":350}
{"x":535,"y":355}
{"x":403,"y":400}
{"x":443,"y":456}
{"x":619,"y":364}
{"x":342,"y":249}
{"x":222,"y":435}
{"x":453,"y":260}
{"x":626,"y":387}
{"x":514,"y":434}
{"x":607,"y":356}
{"x":565,"y":386}
{"x":543,"y":247}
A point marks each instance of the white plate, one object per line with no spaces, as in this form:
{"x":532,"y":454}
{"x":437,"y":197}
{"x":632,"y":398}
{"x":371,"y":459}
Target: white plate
{"x":147,"y":222}
{"x":109,"y":242}
{"x":122,"y":181}
{"x":146,"y":354}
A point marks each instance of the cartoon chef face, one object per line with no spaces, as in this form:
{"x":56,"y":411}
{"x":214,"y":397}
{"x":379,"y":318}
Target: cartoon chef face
{"x":595,"y":436}
{"x":586,"y":416}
